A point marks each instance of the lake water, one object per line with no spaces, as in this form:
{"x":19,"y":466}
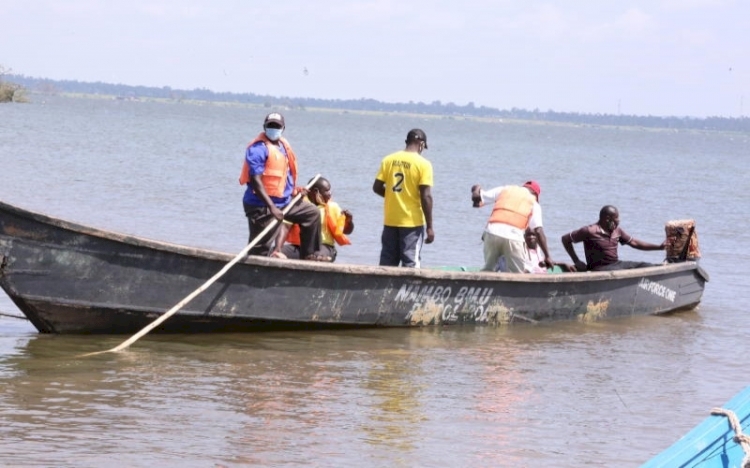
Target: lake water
{"x":612,"y":393}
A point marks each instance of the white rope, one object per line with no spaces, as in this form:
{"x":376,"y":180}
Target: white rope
{"x":208,"y":283}
{"x":739,"y":437}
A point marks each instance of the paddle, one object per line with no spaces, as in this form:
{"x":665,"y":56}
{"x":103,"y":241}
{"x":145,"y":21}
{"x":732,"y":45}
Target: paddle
{"x":208,"y":283}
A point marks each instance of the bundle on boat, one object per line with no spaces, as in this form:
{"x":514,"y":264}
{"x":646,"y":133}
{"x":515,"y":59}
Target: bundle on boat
{"x":682,"y":241}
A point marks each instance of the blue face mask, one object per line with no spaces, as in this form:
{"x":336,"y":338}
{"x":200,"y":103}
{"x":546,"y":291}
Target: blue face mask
{"x":274,"y":134}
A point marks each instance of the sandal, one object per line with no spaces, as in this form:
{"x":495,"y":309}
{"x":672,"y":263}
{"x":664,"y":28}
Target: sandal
{"x":319,"y":258}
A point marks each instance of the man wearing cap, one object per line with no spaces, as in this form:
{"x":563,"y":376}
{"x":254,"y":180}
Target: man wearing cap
{"x":270,"y":174}
{"x":515,"y":208}
{"x":600,"y":243}
{"x":404,"y":180}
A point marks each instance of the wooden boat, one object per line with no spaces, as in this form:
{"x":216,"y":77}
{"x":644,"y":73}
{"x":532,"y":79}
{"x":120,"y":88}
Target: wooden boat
{"x":69,"y":278}
{"x":718,"y":441}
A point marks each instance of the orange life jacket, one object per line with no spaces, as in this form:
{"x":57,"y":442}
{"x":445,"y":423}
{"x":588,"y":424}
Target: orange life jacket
{"x":274,"y":174}
{"x":335,"y":226}
{"x":513,"y":207}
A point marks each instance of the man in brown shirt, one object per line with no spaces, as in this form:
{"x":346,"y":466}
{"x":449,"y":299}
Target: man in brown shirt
{"x":600,"y":243}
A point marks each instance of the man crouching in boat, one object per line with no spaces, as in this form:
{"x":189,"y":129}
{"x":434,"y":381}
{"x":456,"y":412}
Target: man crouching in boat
{"x":270,"y":174}
{"x":514,"y":209}
{"x":600,"y":242}
{"x":335,"y":225}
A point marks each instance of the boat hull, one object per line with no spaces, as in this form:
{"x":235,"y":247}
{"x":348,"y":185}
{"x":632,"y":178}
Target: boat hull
{"x":69,"y":278}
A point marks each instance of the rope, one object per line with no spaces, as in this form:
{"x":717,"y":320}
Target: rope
{"x":739,"y":437}
{"x":2,"y":314}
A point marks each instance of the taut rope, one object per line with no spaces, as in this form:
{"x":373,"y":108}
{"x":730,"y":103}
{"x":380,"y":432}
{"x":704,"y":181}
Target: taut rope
{"x":3,"y":314}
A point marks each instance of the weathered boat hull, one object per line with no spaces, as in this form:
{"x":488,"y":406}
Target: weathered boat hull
{"x":711,"y":443}
{"x":69,"y":278}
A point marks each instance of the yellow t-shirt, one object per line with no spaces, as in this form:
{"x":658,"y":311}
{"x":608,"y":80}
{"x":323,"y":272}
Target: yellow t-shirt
{"x":403,"y":172}
{"x":326,"y":236}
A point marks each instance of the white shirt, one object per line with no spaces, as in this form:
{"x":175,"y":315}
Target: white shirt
{"x":533,"y":258}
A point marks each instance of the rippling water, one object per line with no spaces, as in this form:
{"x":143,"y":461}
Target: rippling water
{"x":611,"y":393}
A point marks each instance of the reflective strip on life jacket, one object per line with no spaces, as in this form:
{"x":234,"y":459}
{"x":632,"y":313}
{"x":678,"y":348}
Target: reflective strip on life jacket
{"x":513,"y":207}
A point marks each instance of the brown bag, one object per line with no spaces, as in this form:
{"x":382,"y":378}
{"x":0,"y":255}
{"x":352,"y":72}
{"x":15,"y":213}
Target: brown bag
{"x":682,"y":240}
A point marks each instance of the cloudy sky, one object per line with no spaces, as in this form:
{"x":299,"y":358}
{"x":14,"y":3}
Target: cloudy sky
{"x":643,"y":57}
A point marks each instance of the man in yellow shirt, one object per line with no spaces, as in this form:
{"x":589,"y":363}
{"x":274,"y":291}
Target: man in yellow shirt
{"x":405,"y":182}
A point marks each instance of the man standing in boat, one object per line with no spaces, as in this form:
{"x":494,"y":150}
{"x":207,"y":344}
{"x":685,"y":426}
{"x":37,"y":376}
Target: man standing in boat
{"x":270,"y":174}
{"x":404,"y":180}
{"x":514,"y":209}
{"x":600,"y":243}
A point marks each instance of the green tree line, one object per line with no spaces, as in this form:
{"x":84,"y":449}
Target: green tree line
{"x":42,"y":85}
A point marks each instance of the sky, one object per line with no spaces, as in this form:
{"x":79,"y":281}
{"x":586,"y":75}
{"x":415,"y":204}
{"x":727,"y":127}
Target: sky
{"x":643,"y":57}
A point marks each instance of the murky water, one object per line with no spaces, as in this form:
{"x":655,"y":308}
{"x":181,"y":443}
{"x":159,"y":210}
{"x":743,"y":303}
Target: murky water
{"x":605,"y":394}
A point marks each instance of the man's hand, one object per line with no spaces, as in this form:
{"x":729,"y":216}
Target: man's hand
{"x":430,"y":236}
{"x":580,"y":266}
{"x":276,"y":212}
{"x":476,"y":196}
{"x":302,"y":190}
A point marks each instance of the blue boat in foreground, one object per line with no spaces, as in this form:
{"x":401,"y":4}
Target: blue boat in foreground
{"x":719,"y":441}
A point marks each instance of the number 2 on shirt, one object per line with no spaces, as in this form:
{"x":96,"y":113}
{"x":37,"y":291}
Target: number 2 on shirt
{"x":397,"y":187}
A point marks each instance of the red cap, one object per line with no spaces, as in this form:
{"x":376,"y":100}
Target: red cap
{"x":534,"y":187}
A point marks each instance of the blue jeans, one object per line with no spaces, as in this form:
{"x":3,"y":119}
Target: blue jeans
{"x":401,"y":246}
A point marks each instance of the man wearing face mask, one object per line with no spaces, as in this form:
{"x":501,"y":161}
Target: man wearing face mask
{"x":270,"y":174}
{"x":405,"y":182}
{"x":600,"y":243}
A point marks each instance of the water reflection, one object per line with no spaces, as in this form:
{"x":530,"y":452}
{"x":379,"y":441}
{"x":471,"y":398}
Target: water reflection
{"x":445,"y":397}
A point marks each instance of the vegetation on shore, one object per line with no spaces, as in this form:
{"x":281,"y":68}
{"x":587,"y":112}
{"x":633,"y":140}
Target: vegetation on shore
{"x":10,"y":92}
{"x":436,"y":108}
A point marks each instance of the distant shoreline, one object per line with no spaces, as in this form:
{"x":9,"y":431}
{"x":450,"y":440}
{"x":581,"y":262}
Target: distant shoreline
{"x":366,"y":106}
{"x":497,"y":120}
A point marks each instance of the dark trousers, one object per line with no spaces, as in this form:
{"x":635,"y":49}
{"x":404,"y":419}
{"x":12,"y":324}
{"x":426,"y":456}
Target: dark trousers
{"x":401,"y":245}
{"x":303,"y":213}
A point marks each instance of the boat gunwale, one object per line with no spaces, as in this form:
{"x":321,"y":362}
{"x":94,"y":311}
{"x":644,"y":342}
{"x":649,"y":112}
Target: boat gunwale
{"x":346,"y":268}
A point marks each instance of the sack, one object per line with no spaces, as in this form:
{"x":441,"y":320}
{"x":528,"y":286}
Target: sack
{"x":682,"y":240}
